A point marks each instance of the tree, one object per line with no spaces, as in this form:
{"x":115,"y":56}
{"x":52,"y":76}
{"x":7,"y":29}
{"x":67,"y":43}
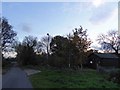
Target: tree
{"x":80,"y":39}
{"x":7,"y":35}
{"x":26,"y":54}
{"x":45,"y":41}
{"x":71,"y":48}
{"x":59,"y":50}
{"x":82,"y":43}
{"x":110,"y":42}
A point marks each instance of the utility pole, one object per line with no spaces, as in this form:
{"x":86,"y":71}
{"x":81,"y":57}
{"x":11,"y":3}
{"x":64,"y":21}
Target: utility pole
{"x":48,"y":45}
{"x":0,"y":53}
{"x":69,"y":50}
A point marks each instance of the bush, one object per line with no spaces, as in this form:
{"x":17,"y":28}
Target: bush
{"x":5,"y":63}
{"x":40,"y":59}
{"x":115,"y":76}
{"x":57,"y":61}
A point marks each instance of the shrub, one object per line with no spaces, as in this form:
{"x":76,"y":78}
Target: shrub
{"x":5,"y":63}
{"x":114,"y":76}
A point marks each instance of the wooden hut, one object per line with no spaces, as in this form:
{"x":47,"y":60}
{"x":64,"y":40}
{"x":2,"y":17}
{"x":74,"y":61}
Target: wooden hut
{"x":106,"y":60}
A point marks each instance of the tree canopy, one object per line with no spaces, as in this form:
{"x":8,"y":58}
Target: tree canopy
{"x":110,"y":41}
{"x":7,"y":35}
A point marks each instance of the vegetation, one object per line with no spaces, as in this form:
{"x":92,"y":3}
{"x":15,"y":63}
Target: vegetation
{"x":25,"y":51}
{"x":87,"y":78}
{"x":66,"y":53}
{"x":110,"y":42}
{"x":8,"y":35}
{"x":70,"y":51}
{"x":115,"y":76}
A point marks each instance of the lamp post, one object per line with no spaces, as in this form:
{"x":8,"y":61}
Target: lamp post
{"x":48,"y":45}
{"x":69,"y":50}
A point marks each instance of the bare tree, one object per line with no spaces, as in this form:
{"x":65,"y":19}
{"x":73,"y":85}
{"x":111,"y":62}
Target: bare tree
{"x":110,"y":41}
{"x":45,"y":41}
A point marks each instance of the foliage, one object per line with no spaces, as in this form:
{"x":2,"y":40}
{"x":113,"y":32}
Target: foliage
{"x":110,"y":42}
{"x":115,"y":77}
{"x":6,"y":63}
{"x":80,"y":40}
{"x":41,"y":59}
{"x":25,"y":51}
{"x":59,"y":48}
{"x":7,"y":35}
{"x":70,"y":50}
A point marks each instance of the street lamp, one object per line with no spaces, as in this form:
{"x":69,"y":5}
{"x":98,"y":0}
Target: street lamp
{"x":48,"y":45}
{"x":69,"y":50}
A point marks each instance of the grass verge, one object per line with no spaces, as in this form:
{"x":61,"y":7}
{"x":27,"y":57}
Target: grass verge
{"x":50,"y":78}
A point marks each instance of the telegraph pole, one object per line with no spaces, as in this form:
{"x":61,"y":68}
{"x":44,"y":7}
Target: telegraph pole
{"x":48,"y":45}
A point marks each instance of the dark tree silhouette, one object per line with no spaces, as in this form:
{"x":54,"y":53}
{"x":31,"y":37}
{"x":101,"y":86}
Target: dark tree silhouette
{"x":82,"y":42}
{"x":7,"y":35}
{"x":26,"y":54}
{"x":59,"y":49}
{"x":110,"y":41}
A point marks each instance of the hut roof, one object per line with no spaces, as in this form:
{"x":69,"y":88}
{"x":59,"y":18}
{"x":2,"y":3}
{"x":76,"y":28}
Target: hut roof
{"x":106,"y":55}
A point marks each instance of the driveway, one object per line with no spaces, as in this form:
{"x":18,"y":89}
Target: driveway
{"x":15,"y":78}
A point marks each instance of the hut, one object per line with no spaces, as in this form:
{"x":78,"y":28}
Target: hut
{"x":104,"y":60}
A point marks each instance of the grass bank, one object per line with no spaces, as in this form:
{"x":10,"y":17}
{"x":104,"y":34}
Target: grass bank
{"x":88,"y":78}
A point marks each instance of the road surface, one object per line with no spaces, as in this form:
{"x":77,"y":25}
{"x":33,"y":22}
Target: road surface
{"x":15,"y":78}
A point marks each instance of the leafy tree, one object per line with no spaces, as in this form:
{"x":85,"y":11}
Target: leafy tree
{"x":58,"y":48}
{"x":82,"y":43}
{"x":80,"y":39}
{"x":110,"y":41}
{"x":26,"y":51}
{"x":7,"y":35}
{"x":71,"y":49}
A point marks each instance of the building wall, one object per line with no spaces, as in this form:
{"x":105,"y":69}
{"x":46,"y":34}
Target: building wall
{"x":109,"y":62}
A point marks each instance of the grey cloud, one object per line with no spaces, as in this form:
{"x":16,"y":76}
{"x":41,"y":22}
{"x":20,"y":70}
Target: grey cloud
{"x":26,"y":27}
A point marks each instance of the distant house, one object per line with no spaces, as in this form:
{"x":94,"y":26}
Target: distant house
{"x":106,"y":60}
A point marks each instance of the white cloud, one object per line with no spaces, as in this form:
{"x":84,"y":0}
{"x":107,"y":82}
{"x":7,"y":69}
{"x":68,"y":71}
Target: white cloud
{"x":76,"y":7}
{"x":10,"y":54}
{"x":98,"y":3}
{"x":104,"y":13}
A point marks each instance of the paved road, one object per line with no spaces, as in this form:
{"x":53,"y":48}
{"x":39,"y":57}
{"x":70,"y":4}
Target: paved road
{"x":15,"y":78}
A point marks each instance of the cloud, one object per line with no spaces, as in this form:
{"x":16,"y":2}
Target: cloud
{"x":75,"y":7}
{"x":103,"y":13}
{"x":98,"y":3}
{"x":26,"y":27}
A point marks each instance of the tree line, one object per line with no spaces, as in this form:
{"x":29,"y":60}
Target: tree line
{"x":58,"y":51}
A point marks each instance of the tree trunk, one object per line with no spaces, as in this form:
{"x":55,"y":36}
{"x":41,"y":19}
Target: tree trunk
{"x":81,"y":66}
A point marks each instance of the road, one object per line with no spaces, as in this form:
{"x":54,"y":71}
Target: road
{"x":15,"y":78}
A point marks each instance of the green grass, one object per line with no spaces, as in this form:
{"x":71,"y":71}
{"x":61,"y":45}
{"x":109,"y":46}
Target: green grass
{"x":71,"y":79}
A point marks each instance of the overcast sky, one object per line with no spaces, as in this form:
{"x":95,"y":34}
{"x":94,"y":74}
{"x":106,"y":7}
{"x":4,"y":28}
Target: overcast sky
{"x":60,"y":18}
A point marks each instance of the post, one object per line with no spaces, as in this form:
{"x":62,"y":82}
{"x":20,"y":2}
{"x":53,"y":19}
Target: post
{"x":69,"y":51}
{"x":1,"y":53}
{"x":48,"y":46}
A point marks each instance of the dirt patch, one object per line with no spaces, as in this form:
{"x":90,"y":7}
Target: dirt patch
{"x":31,"y":71}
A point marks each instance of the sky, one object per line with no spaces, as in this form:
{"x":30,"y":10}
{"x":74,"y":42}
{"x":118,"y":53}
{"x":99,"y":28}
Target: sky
{"x":60,"y":18}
